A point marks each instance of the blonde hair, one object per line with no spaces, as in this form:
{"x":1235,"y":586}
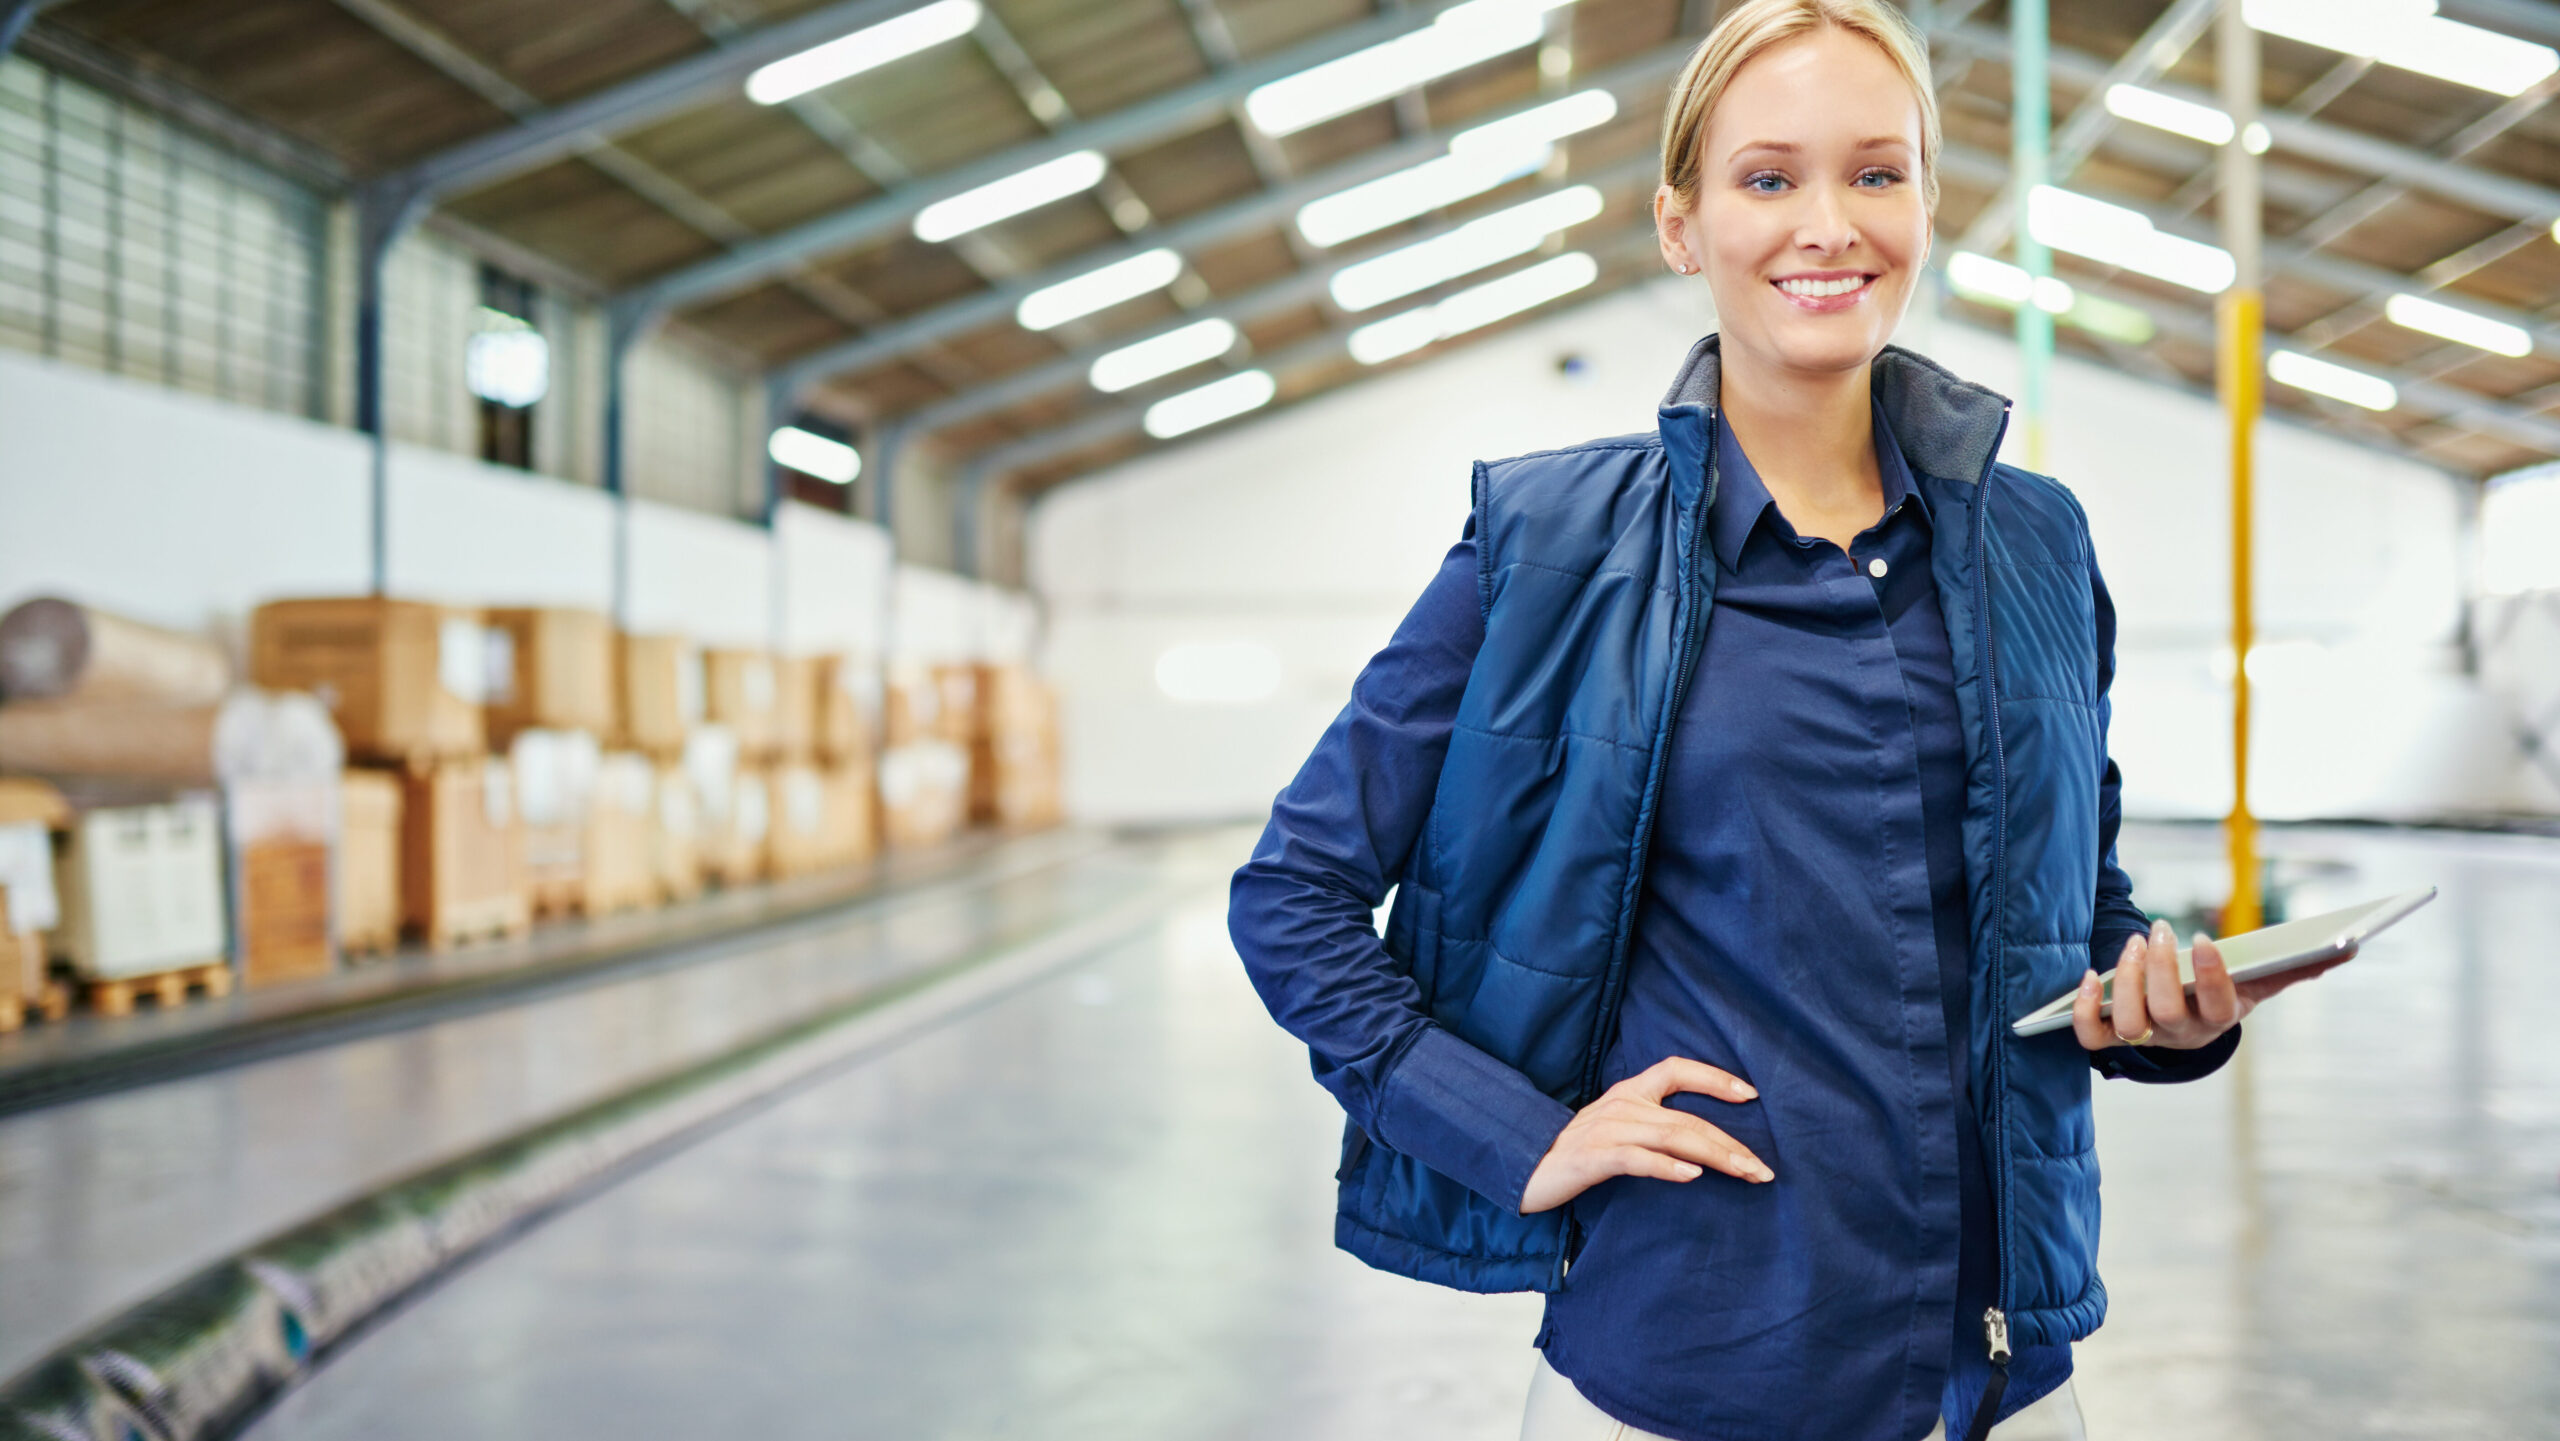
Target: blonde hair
{"x":1756,"y":25}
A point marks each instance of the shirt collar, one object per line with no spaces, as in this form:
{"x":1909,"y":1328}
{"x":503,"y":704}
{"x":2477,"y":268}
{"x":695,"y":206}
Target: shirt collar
{"x":1741,"y":495}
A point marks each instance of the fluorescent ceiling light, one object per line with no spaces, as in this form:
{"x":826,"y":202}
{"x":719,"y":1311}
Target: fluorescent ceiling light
{"x":1994,"y":282}
{"x":1054,"y":305}
{"x":2287,"y":367}
{"x":1461,"y":36}
{"x":2410,"y":35}
{"x":865,"y":49}
{"x":2168,"y":112}
{"x":813,"y":454}
{"x":2116,"y":321}
{"x":2113,"y":235}
{"x":1473,"y":308}
{"x":1539,"y":126}
{"x":1218,"y":400}
{"x":1162,"y":355}
{"x":1003,"y":199}
{"x":2492,"y":335}
{"x":1376,"y":204}
{"x":1486,"y":240}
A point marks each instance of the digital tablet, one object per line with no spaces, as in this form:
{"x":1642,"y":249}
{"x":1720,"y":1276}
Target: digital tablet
{"x":2255,"y":954}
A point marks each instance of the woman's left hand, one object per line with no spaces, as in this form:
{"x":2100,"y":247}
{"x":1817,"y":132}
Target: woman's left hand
{"x":2151,"y":1006}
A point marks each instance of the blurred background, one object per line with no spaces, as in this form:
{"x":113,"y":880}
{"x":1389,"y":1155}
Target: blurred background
{"x":639,"y":635}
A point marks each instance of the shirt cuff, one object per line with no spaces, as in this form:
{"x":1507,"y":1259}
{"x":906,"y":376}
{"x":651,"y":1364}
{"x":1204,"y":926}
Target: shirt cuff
{"x":1468,"y":1116}
{"x":2160,"y":1065}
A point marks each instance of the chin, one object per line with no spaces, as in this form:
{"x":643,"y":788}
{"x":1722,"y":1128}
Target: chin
{"x":1800,"y":347}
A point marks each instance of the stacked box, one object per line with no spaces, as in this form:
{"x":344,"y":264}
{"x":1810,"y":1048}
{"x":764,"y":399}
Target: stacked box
{"x":462,"y":853}
{"x":368,"y":862}
{"x":1014,"y":773}
{"x":741,"y":693}
{"x":822,"y":818}
{"x":550,"y":668}
{"x":848,"y":710}
{"x":923,"y":774}
{"x":404,"y":680}
{"x":621,"y":847}
{"x":282,"y":831}
{"x":675,"y":841}
{"x":736,"y":845}
{"x":30,"y":811}
{"x":555,"y":782}
{"x":657,"y":694}
{"x":140,"y":889}
{"x":795,"y":715}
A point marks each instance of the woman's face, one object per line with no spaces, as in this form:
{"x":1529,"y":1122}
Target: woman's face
{"x":1810,"y":222}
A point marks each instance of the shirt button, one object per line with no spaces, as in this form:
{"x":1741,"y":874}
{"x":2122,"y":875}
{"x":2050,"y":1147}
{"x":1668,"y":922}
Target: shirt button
{"x":1877,"y":567}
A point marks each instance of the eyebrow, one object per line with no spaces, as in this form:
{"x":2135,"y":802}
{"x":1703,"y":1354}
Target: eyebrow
{"x":1789,"y":147}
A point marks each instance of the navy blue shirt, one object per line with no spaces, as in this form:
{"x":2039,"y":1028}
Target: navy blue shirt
{"x":1805,"y":926}
{"x":1802,"y":925}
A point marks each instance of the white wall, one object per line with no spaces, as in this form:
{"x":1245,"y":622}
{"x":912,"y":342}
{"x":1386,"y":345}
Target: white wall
{"x":188,"y":512}
{"x":1311,"y":530}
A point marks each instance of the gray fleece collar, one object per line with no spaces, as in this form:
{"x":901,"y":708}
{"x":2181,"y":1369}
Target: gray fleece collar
{"x":1947,"y":426}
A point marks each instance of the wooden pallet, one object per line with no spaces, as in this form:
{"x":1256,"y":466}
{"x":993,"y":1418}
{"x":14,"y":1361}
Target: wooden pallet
{"x":116,"y":997}
{"x":52,"y":1006}
{"x":378,"y":943}
{"x":493,"y":919}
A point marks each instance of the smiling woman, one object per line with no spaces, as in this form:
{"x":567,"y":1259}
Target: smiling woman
{"x":1695,"y":773}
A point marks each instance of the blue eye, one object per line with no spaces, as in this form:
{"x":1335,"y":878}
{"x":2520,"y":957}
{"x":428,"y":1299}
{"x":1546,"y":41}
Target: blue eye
{"x":1765,"y":183}
{"x":1883,"y":177}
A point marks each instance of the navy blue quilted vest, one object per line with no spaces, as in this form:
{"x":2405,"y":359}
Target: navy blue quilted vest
{"x":1515,"y":909}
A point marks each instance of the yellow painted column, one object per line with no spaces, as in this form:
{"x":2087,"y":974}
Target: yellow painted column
{"x":2241,"y":365}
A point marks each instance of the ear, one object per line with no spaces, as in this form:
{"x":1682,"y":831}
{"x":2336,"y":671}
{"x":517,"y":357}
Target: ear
{"x":1674,"y":232}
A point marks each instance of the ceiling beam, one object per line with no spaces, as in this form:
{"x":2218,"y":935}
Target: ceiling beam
{"x":1637,"y":76}
{"x":1158,"y":117}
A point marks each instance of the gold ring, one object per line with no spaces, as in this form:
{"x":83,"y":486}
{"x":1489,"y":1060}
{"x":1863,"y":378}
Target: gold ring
{"x":2141,"y":1040}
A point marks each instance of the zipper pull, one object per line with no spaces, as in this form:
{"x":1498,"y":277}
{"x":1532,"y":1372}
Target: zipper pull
{"x":1995,"y":1331}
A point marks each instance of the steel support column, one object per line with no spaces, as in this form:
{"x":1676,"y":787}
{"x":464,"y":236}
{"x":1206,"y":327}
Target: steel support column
{"x":623,"y":328}
{"x":2030,"y":132}
{"x":382,"y":217}
{"x":2243,"y":325}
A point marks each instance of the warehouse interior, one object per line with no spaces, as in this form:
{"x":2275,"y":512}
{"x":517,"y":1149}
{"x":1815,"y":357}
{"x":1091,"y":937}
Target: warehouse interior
{"x":637,"y":639}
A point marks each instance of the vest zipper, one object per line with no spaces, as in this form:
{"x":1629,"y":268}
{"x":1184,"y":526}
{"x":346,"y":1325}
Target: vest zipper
{"x":1693,"y":633}
{"x":1995,"y":1320}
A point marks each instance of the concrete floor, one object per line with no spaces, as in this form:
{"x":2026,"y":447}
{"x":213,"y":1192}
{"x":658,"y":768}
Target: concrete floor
{"x":1100,"y":1208}
{"x":105,"y":1201}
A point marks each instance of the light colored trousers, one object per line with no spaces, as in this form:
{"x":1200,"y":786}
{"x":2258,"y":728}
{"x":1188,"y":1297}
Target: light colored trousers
{"x":1558,"y":1412}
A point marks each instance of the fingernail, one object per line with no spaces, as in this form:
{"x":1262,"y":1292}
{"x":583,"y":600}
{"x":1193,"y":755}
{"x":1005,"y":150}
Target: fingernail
{"x":2132,"y":945}
{"x":1764,"y":1174}
{"x":2088,"y":983}
{"x":1744,"y":1090}
{"x":1689,"y":1172}
{"x":2204,"y":958}
{"x":2160,"y":931}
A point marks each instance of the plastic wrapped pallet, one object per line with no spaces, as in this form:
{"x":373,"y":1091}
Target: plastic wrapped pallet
{"x":550,"y":668}
{"x":742,"y":692}
{"x":462,"y":853}
{"x":141,"y":890}
{"x":57,"y":649}
{"x":555,"y":780}
{"x":732,"y":808}
{"x":924,"y":793}
{"x":368,"y":899}
{"x":621,"y":847}
{"x":404,"y":680}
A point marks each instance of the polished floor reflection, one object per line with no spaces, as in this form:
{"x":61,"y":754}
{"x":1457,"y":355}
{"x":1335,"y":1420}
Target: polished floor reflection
{"x":1100,"y":1208}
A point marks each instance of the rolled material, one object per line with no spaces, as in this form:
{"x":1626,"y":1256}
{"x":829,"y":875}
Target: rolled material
{"x":246,"y":734}
{"x":53,"y":649}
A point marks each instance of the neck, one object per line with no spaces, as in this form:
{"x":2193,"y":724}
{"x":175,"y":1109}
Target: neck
{"x":1811,"y":437}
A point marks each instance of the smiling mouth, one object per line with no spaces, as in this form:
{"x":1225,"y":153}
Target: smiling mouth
{"x":1806,"y":289}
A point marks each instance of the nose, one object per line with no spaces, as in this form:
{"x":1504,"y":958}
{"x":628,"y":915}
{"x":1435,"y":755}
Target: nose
{"x":1824,"y":226}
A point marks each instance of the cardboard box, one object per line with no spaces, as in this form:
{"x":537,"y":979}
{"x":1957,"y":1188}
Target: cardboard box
{"x":675,"y":841}
{"x":957,"y":716}
{"x":795,"y":708}
{"x":823,"y":818}
{"x":741,"y":691}
{"x":848,"y":710}
{"x":621,"y":845}
{"x":285,"y":929}
{"x":657,"y":694}
{"x":550,"y":668}
{"x":404,"y":680}
{"x":1014,"y":772}
{"x":736,"y":844}
{"x":910,"y":707}
{"x":141,"y":890}
{"x":555,"y":780}
{"x":25,"y":982}
{"x":462,"y":853}
{"x":924,"y":793}
{"x":369,"y":862}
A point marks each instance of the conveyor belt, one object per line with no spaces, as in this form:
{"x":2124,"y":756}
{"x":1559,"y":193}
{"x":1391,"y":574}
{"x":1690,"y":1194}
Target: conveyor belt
{"x":48,"y":1066}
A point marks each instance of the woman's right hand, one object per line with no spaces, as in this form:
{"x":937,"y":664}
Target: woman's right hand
{"x":1629,"y":1132}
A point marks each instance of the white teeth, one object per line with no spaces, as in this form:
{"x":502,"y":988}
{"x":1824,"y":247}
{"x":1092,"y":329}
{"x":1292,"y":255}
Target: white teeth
{"x":1816,"y":289}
